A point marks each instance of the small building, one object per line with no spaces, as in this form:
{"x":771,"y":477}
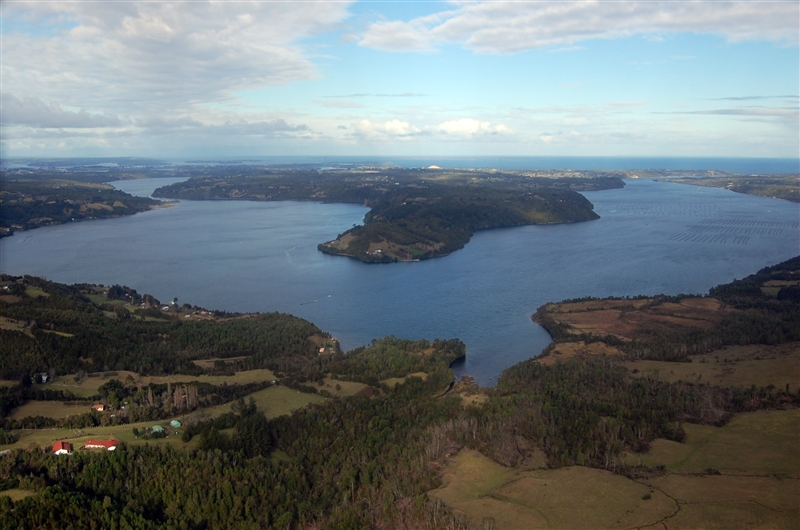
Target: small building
{"x":62,"y":448}
{"x":108,"y":445}
{"x":99,"y":407}
{"x":157,"y":428}
{"x":44,"y":377}
{"x":175,"y":423}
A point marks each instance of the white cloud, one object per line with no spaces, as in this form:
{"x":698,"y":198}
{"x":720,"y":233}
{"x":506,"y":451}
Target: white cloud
{"x":509,"y":27}
{"x":147,"y":57}
{"x":463,"y":129}
{"x":400,"y":36}
{"x":390,"y":130}
{"x":468,"y":127}
{"x":33,"y":112}
{"x":788,"y":117}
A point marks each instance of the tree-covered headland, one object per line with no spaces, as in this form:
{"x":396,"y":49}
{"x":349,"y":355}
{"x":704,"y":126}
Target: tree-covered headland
{"x":415,"y":213}
{"x":32,"y":203}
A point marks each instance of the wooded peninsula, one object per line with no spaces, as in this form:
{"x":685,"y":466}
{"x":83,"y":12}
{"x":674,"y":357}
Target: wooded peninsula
{"x":415,"y":213}
{"x":28,"y":204}
{"x":785,"y":187}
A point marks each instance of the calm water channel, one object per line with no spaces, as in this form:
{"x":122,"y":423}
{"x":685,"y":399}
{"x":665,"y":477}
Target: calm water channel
{"x":258,"y":256}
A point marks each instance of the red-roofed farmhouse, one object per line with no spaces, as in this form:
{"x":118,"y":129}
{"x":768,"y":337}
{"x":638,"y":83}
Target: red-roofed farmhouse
{"x":62,"y":448}
{"x":108,"y":445}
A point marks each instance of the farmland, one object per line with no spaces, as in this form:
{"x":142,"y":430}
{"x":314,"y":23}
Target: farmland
{"x":743,"y":474}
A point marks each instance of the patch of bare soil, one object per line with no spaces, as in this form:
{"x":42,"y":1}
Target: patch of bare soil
{"x":581,"y":350}
{"x":626,"y":318}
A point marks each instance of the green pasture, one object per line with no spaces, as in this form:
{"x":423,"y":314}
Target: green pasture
{"x":740,"y":366}
{"x":759,"y":443}
{"x":346,"y":388}
{"x":725,"y":502}
{"x":393,"y":381}
{"x":273,"y":402}
{"x":90,"y":384}
{"x":48,"y":409}
{"x":573,"y":497}
{"x":35,"y":291}
{"x":16,"y":494}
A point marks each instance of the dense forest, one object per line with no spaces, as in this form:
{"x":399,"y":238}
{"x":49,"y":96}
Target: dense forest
{"x":50,"y":325}
{"x":32,"y":203}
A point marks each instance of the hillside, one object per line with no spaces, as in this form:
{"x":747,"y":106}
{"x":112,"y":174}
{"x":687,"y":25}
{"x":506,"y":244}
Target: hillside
{"x":380,"y":437}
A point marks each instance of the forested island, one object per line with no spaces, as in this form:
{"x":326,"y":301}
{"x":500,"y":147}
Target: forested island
{"x":653,"y":410}
{"x":415,"y":213}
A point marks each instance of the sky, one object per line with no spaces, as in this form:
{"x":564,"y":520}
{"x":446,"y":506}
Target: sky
{"x":400,"y":78}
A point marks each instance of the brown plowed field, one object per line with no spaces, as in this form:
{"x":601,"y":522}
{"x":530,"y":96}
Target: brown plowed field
{"x":626,"y":318}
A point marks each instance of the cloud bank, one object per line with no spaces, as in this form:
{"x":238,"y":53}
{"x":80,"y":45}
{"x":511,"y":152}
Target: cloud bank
{"x":131,"y":57}
{"x":510,"y":27}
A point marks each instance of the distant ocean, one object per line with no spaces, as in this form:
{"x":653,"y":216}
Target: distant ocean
{"x":743,"y":166}
{"x":739,"y":165}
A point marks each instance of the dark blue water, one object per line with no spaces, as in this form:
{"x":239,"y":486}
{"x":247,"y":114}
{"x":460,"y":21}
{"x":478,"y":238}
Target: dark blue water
{"x":257,"y":256}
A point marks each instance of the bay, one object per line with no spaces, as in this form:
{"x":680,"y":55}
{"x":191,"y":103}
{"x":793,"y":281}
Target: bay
{"x":652,"y":237}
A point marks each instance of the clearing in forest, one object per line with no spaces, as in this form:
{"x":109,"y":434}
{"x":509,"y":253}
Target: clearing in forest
{"x":740,"y":366}
{"x":742,"y":475}
{"x":571,"y":497}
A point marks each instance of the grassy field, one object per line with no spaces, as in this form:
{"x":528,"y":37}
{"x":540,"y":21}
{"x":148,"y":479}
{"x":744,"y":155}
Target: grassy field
{"x":392,"y":381}
{"x":29,"y":438}
{"x":209,"y":363}
{"x":17,"y":494}
{"x":573,"y":497}
{"x":346,"y":388}
{"x":759,"y":482}
{"x":35,"y":291}
{"x":474,"y":399}
{"x":727,"y":502}
{"x":741,"y":366}
{"x":89,"y":385}
{"x":13,"y":325}
{"x":758,"y":485}
{"x":273,"y":402}
{"x":571,"y":350}
{"x":48,"y":409}
{"x":763,"y":443}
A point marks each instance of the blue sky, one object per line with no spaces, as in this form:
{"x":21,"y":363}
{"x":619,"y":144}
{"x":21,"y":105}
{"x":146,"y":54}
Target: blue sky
{"x":198,"y":79}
